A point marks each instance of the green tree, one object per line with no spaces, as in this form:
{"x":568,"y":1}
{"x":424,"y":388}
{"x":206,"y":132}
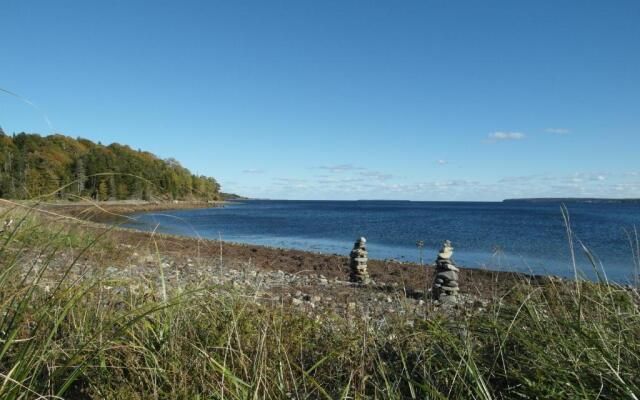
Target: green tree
{"x":122,"y":191}
{"x":113,"y":191}
{"x":33,"y":165}
{"x":103,"y":191}
{"x":80,"y":176}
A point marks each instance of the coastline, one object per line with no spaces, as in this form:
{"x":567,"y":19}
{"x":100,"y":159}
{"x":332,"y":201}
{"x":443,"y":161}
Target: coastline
{"x":411,"y":278}
{"x":211,"y":292}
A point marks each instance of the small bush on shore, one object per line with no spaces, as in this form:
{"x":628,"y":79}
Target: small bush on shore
{"x":64,"y":332}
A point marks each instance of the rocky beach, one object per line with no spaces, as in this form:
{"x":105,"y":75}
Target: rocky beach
{"x":319,"y":283}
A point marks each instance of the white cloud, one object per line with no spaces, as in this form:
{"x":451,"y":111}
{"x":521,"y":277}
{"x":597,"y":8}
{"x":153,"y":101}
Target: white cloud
{"x":290,"y":180}
{"x":495,"y":136}
{"x":367,"y":184}
{"x":376,"y":175}
{"x":442,"y":162}
{"x":558,"y":131}
{"x":340,"y":168}
{"x":252,"y":171}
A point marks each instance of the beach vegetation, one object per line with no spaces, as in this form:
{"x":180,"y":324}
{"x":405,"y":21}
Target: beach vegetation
{"x":69,"y":330}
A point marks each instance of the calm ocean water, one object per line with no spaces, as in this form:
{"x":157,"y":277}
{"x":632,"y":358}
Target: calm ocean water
{"x":501,"y":236}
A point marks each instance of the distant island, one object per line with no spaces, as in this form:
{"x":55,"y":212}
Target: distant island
{"x":232,"y":196}
{"x":63,"y":168}
{"x":570,"y":200}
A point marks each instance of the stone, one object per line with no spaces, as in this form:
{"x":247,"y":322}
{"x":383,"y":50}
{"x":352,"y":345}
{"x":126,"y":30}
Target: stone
{"x":358,"y":263}
{"x":449,"y":299}
{"x":445,"y":284}
{"x":450,"y":267}
{"x":447,"y":275}
{"x":447,"y":251}
{"x":112,"y":270}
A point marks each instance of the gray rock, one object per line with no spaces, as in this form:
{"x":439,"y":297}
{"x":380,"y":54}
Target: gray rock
{"x":358,"y":263}
{"x":445,"y":283}
{"x":447,"y":275}
{"x":448,"y":299}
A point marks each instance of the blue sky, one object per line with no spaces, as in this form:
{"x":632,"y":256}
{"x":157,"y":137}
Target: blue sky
{"x":425,"y":100}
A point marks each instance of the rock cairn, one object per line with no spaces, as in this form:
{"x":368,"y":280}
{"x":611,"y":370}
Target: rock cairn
{"x":445,"y":284}
{"x":359,"y":273}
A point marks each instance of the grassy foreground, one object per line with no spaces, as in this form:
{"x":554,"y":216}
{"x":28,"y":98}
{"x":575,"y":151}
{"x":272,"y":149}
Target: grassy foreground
{"x":65,"y":333}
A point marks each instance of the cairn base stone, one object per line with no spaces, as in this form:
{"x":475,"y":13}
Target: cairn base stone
{"x":358,"y":262}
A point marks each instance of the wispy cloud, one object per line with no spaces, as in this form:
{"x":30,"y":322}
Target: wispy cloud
{"x":340,"y":168}
{"x":503,"y":136}
{"x":367,"y":186}
{"x":442,"y":162}
{"x":376,"y":175}
{"x":252,"y":171}
{"x":290,"y":180}
{"x":287,"y":184}
{"x":558,"y":131}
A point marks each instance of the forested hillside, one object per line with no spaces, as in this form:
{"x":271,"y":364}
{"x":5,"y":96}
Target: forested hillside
{"x":32,"y":165}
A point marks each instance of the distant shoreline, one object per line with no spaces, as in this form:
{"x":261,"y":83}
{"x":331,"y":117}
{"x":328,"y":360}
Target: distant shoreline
{"x":569,"y":200}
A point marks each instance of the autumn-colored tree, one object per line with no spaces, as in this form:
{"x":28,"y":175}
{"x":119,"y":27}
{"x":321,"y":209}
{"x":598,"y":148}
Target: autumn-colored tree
{"x":32,"y":165}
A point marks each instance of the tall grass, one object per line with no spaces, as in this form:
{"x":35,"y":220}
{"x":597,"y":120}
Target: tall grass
{"x":65,"y":333}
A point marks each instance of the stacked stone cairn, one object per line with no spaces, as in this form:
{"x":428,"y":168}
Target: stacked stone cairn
{"x":445,"y":284}
{"x":358,"y":262}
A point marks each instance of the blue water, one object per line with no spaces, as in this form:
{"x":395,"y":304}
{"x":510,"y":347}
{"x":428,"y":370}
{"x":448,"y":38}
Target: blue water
{"x":500,"y":236}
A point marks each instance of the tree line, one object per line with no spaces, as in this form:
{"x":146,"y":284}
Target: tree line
{"x":32,"y":166}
